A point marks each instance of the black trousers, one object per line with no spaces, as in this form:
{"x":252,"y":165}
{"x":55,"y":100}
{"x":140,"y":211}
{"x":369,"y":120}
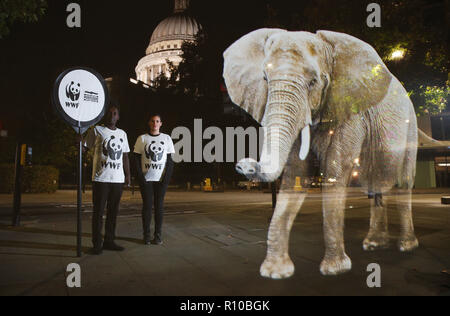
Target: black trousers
{"x":109,"y":195}
{"x":153,"y":193}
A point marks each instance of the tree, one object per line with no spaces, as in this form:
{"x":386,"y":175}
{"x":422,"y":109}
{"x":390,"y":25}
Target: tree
{"x":418,"y":28}
{"x":435,"y":99}
{"x":197,"y":73}
{"x":26,"y":11}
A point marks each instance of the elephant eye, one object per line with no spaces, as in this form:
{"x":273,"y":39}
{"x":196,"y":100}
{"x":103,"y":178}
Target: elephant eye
{"x":312,"y":83}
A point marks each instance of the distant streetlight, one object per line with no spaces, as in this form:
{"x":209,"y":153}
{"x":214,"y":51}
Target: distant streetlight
{"x":398,"y":54}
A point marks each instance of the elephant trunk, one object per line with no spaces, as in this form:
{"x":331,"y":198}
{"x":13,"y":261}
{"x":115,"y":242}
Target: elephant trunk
{"x":287,"y":113}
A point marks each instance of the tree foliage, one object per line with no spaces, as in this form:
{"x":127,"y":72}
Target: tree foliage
{"x":12,"y":11}
{"x":195,"y":76}
{"x":418,"y":27}
{"x":435,"y":98}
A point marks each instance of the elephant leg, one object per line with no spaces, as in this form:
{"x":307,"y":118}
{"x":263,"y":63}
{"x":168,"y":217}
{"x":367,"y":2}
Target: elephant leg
{"x":336,"y":260}
{"x":337,"y":162}
{"x":408,"y":241}
{"x":378,"y":236}
{"x":278,"y":264}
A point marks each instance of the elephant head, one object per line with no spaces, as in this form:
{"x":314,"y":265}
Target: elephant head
{"x":289,"y":81}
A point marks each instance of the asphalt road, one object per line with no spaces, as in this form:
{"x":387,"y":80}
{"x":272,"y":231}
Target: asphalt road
{"x":214,"y":244}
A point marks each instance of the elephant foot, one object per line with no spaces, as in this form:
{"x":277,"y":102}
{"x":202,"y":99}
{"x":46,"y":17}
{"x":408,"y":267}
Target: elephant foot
{"x":277,"y":268}
{"x":376,"y":241}
{"x":408,"y":244}
{"x":336,"y":265}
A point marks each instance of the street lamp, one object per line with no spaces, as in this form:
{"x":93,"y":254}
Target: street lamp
{"x":397,"y":54}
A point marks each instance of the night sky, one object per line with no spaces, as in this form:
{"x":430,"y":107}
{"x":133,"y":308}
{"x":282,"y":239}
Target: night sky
{"x":113,"y":37}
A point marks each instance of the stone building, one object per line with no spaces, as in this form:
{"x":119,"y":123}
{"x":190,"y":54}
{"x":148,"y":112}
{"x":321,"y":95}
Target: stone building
{"x":165,"y":43}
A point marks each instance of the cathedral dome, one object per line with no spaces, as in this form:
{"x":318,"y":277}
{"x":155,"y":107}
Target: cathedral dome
{"x":166,"y":42}
{"x":179,"y":26}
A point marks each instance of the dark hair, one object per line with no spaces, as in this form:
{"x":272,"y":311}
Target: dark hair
{"x":114,"y":104}
{"x":153,"y":115}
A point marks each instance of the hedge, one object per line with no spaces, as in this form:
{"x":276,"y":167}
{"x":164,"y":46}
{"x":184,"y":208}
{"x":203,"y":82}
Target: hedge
{"x":36,"y":179}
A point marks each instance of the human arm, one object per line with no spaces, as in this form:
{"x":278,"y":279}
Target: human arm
{"x":169,"y":171}
{"x":88,"y":142}
{"x":139,"y":173}
{"x":169,"y":163}
{"x":126,"y":169}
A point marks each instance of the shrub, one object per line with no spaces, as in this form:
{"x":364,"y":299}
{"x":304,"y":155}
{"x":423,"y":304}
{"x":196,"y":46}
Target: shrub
{"x":36,"y":179}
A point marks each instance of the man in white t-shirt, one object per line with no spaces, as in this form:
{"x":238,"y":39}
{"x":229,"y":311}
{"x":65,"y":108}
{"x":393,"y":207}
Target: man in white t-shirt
{"x":154,"y":166}
{"x":111,"y":169}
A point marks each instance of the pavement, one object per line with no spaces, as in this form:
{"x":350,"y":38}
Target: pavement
{"x":214,"y":244}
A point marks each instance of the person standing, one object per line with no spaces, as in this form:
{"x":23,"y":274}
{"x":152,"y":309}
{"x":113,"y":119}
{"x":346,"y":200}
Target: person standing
{"x":154,"y":164}
{"x":111,"y":169}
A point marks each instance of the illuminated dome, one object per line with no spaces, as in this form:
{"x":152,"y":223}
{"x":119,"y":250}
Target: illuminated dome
{"x":166,"y":41}
{"x":179,"y":26}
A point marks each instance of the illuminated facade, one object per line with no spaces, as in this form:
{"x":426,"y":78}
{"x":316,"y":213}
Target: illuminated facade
{"x":165,"y":43}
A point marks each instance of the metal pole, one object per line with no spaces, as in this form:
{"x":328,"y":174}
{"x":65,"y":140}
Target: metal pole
{"x":79,"y":194}
{"x":17,"y":187}
{"x":447,"y":184}
{"x":274,"y":194}
{"x":84,"y":178}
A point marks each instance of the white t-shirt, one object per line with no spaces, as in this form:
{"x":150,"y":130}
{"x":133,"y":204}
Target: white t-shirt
{"x":109,"y":147}
{"x":154,"y":151}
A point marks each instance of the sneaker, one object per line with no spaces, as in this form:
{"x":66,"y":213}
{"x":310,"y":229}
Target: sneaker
{"x":112,"y":246}
{"x":147,"y":241}
{"x":156,"y":241}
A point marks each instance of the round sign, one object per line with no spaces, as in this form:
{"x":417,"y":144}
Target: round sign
{"x":80,"y":97}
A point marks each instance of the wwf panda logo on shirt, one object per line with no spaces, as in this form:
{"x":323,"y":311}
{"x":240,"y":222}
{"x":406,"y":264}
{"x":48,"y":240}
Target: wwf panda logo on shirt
{"x":73,"y":91}
{"x":155,"y":151}
{"x":113,"y":147}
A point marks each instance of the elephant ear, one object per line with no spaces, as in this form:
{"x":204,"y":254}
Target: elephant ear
{"x":359,"y":78}
{"x":244,"y":72}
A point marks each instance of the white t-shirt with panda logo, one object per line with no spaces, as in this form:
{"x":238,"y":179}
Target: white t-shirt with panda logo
{"x":109,"y":147}
{"x":154,"y":151}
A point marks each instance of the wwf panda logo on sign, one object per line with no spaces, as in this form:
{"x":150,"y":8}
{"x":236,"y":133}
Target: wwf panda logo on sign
{"x":73,"y":91}
{"x":80,"y":97}
{"x":112,"y":148}
{"x":155,"y":151}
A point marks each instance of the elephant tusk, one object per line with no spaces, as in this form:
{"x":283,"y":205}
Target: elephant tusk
{"x":306,"y":143}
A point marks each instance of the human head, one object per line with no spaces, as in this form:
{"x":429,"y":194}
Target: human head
{"x":113,"y":114}
{"x":155,"y":123}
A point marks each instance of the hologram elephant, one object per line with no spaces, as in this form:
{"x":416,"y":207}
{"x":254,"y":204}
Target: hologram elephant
{"x":331,"y":93}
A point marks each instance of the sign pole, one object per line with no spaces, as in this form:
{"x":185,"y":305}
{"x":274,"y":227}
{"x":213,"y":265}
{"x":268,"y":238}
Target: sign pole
{"x":20,"y":155}
{"x":80,"y":97}
{"x":79,"y":194}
